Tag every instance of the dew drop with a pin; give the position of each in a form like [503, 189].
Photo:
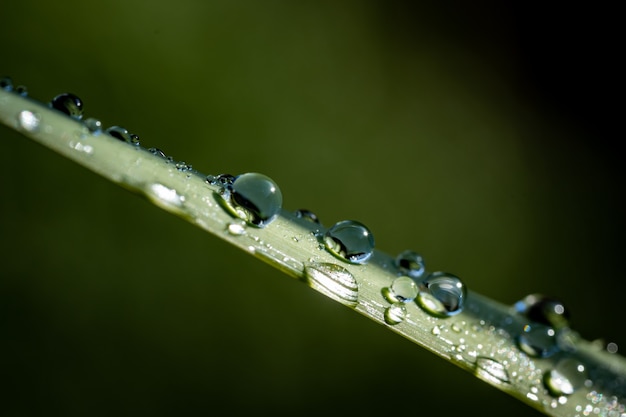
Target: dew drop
[541, 309]
[21, 90]
[411, 264]
[395, 314]
[491, 370]
[403, 289]
[69, 104]
[6, 83]
[157, 152]
[350, 241]
[307, 215]
[123, 135]
[442, 294]
[94, 125]
[165, 197]
[538, 340]
[567, 376]
[334, 281]
[252, 197]
[28, 120]
[183, 167]
[236, 228]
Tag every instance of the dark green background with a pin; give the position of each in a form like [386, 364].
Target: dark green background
[483, 136]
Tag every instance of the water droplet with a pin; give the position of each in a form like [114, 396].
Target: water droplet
[252, 197]
[21, 90]
[404, 289]
[567, 376]
[69, 104]
[157, 152]
[236, 228]
[538, 340]
[123, 135]
[164, 196]
[183, 167]
[306, 215]
[442, 294]
[611, 347]
[542, 309]
[436, 330]
[28, 120]
[350, 241]
[6, 83]
[491, 370]
[334, 281]
[395, 313]
[411, 264]
[94, 125]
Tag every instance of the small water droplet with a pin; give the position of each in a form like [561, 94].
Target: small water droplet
[69, 104]
[442, 294]
[94, 125]
[436, 330]
[21, 90]
[542, 309]
[157, 152]
[252, 197]
[538, 340]
[164, 196]
[28, 120]
[123, 135]
[6, 83]
[395, 313]
[306, 215]
[403, 289]
[567, 376]
[334, 281]
[491, 370]
[236, 228]
[183, 167]
[411, 263]
[350, 241]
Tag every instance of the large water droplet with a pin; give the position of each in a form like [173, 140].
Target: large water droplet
[538, 340]
[491, 370]
[395, 313]
[6, 83]
[28, 120]
[123, 135]
[411, 263]
[69, 104]
[94, 125]
[350, 241]
[334, 281]
[403, 289]
[252, 197]
[442, 294]
[567, 376]
[542, 309]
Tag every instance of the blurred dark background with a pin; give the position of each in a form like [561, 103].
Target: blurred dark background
[485, 136]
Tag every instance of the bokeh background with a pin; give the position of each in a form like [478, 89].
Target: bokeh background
[483, 135]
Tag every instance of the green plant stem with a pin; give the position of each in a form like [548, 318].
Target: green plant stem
[481, 339]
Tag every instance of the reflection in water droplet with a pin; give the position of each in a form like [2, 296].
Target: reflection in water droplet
[69, 104]
[491, 370]
[21, 90]
[94, 125]
[6, 83]
[252, 197]
[123, 135]
[395, 313]
[542, 309]
[442, 294]
[306, 215]
[567, 376]
[411, 264]
[404, 289]
[334, 281]
[28, 120]
[538, 340]
[350, 241]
